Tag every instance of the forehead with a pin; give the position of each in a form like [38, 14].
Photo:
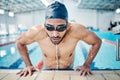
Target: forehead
[55, 21]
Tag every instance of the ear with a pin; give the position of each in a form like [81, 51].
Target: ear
[68, 25]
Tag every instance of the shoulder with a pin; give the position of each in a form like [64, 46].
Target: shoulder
[76, 26]
[34, 33]
[77, 30]
[34, 30]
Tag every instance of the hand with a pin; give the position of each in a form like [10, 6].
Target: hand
[27, 71]
[84, 70]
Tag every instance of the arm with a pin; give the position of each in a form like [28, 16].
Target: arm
[95, 43]
[25, 39]
[90, 38]
[23, 51]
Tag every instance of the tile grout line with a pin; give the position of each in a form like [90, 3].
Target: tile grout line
[19, 78]
[53, 76]
[117, 73]
[36, 76]
[4, 76]
[103, 76]
[69, 76]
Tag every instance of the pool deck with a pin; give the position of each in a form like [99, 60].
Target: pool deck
[61, 75]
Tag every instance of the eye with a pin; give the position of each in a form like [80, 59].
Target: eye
[49, 27]
[61, 28]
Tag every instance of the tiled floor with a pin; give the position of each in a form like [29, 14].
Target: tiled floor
[61, 75]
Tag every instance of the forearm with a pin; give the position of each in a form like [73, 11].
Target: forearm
[24, 54]
[92, 53]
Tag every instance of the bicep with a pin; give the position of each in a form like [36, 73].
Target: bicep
[90, 37]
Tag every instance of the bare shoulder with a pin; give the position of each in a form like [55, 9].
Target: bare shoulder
[78, 30]
[33, 34]
[34, 31]
[82, 33]
[77, 27]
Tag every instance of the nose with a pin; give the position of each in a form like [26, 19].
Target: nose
[55, 33]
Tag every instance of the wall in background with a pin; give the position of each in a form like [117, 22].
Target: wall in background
[6, 22]
[103, 19]
[98, 19]
[117, 17]
[30, 19]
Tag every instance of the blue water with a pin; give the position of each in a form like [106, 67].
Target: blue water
[105, 59]
[10, 58]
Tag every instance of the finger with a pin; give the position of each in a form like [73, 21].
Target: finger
[36, 69]
[81, 72]
[25, 73]
[88, 73]
[84, 73]
[30, 72]
[19, 72]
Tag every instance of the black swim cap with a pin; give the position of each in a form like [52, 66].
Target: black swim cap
[56, 10]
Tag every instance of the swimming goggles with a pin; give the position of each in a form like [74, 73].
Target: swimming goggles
[59, 28]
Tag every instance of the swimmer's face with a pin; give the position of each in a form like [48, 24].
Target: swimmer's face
[56, 29]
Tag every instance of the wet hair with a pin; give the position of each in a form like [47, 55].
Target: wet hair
[56, 10]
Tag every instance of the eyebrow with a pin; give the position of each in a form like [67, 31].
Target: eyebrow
[49, 24]
[58, 25]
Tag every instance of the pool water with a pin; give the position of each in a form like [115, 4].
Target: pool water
[105, 59]
[10, 58]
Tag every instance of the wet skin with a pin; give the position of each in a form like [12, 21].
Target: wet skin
[66, 41]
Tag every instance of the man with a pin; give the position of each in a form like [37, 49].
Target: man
[57, 39]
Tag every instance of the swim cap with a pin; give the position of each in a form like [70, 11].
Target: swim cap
[56, 10]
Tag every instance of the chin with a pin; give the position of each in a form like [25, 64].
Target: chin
[55, 43]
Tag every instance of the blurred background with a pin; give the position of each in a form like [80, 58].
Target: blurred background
[100, 16]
